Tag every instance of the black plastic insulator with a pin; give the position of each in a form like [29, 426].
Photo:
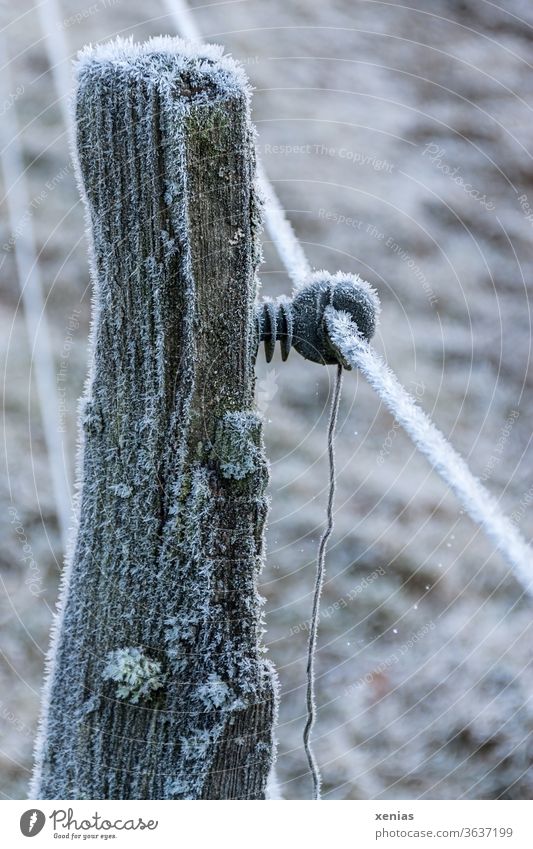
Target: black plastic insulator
[299, 322]
[275, 323]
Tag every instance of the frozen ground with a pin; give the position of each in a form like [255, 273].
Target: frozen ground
[399, 140]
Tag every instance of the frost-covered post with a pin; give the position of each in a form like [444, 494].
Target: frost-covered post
[157, 684]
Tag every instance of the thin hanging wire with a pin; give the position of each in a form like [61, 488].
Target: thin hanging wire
[319, 583]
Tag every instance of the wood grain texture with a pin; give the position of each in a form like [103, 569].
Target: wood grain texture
[157, 684]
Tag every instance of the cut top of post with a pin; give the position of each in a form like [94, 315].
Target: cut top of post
[201, 71]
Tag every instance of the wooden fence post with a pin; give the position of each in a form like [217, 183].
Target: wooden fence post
[157, 684]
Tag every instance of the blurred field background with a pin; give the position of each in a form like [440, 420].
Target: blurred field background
[399, 139]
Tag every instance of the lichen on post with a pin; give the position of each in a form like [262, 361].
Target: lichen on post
[157, 686]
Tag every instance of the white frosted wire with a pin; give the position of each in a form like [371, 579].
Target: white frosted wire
[184, 20]
[280, 231]
[480, 505]
[56, 49]
[30, 282]
[278, 226]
